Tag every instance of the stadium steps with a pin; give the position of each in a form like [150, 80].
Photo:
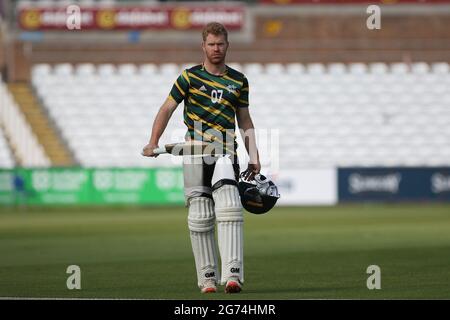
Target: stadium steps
[47, 136]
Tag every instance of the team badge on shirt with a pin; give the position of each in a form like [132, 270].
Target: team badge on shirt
[231, 88]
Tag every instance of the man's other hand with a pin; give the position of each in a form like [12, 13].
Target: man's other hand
[252, 170]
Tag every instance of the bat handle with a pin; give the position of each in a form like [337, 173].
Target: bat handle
[160, 150]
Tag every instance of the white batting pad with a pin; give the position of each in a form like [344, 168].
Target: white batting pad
[230, 221]
[201, 222]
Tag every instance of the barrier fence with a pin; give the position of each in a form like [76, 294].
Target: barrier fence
[91, 186]
[394, 184]
[164, 186]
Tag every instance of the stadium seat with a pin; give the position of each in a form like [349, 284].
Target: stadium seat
[127, 69]
[337, 68]
[316, 68]
[378, 68]
[42, 69]
[252, 69]
[358, 68]
[420, 68]
[274, 69]
[106, 70]
[148, 69]
[85, 69]
[295, 69]
[170, 69]
[64, 69]
[399, 68]
[440, 68]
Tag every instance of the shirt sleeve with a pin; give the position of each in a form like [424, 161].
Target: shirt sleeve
[243, 97]
[180, 88]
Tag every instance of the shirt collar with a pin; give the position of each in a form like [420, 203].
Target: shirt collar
[217, 75]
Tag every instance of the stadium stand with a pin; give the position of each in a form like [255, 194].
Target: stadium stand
[39, 123]
[27, 150]
[326, 115]
[104, 113]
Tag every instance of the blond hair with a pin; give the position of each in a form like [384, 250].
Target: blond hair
[216, 29]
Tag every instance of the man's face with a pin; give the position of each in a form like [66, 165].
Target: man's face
[215, 48]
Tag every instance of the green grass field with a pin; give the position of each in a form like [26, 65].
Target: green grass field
[290, 253]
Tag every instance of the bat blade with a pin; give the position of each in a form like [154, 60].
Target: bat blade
[187, 148]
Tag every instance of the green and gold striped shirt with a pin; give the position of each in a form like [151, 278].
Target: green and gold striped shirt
[210, 103]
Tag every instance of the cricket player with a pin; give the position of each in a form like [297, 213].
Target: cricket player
[214, 96]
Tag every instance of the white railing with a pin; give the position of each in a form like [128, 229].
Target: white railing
[19, 132]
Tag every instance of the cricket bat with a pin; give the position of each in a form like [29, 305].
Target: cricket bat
[186, 148]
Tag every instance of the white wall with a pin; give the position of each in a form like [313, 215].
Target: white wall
[307, 186]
